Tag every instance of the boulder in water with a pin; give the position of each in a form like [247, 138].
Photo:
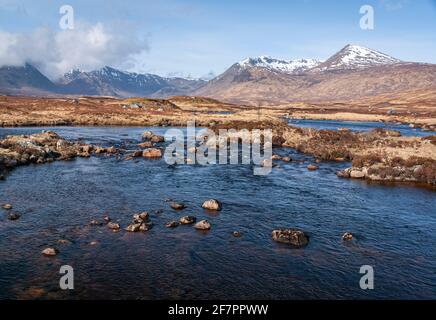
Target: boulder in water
[212, 204]
[202, 225]
[347, 236]
[188, 220]
[152, 153]
[49, 252]
[177, 206]
[293, 237]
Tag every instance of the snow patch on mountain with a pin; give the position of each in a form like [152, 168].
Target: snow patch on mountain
[286, 66]
[356, 57]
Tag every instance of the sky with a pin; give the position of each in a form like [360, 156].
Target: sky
[196, 38]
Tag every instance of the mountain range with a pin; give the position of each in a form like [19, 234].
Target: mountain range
[353, 72]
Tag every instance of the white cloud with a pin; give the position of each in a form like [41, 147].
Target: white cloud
[87, 47]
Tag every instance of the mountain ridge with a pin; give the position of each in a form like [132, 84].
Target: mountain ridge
[352, 72]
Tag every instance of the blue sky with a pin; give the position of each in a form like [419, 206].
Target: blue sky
[195, 37]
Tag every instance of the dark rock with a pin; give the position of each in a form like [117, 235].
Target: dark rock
[347, 236]
[294, 237]
[95, 223]
[236, 234]
[177, 206]
[172, 224]
[13, 216]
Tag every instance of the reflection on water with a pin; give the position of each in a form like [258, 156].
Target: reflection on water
[394, 228]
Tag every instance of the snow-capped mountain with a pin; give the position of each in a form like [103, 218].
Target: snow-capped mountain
[353, 72]
[113, 82]
[353, 57]
[286, 66]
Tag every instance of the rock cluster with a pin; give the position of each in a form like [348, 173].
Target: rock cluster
[140, 222]
[47, 146]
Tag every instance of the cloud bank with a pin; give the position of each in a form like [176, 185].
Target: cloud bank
[87, 47]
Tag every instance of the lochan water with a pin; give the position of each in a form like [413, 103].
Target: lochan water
[405, 130]
[394, 228]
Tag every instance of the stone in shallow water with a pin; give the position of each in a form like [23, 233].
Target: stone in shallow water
[134, 227]
[236, 234]
[95, 223]
[212, 204]
[7, 206]
[13, 216]
[172, 224]
[188, 220]
[294, 237]
[145, 226]
[347, 236]
[113, 226]
[177, 206]
[152, 153]
[49, 252]
[312, 167]
[202, 225]
[141, 217]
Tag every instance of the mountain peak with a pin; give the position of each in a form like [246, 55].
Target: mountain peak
[286, 66]
[353, 56]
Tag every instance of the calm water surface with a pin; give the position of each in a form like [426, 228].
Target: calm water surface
[394, 228]
[360, 126]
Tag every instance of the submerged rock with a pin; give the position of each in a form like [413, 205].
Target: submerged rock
[49, 252]
[106, 218]
[312, 167]
[134, 227]
[145, 226]
[172, 224]
[347, 236]
[236, 234]
[212, 204]
[188, 220]
[294, 237]
[7, 206]
[147, 135]
[13, 216]
[343, 173]
[95, 223]
[141, 217]
[202, 225]
[177, 206]
[113, 226]
[152, 153]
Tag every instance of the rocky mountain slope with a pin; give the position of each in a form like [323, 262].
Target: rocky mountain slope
[107, 81]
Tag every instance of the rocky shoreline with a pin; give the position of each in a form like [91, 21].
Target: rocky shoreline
[377, 155]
